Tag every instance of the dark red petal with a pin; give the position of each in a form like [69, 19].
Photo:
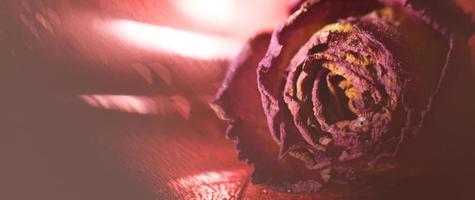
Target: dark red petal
[288, 38]
[285, 42]
[238, 102]
[238, 99]
[443, 15]
[294, 5]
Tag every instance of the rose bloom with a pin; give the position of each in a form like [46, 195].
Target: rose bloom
[353, 93]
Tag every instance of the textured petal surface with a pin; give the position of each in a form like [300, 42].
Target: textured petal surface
[421, 72]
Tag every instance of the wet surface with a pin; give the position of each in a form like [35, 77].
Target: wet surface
[86, 115]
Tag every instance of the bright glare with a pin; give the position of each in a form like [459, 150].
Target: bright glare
[175, 41]
[239, 18]
[161, 105]
[125, 103]
[210, 185]
[219, 12]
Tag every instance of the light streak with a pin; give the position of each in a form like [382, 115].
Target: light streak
[140, 104]
[166, 39]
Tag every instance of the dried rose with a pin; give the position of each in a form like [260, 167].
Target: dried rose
[343, 87]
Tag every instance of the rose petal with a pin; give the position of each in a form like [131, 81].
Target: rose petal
[238, 102]
[443, 15]
[425, 68]
[285, 42]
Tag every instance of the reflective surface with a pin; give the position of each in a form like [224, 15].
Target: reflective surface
[108, 99]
